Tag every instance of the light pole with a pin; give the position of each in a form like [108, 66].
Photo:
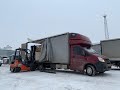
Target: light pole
[106, 27]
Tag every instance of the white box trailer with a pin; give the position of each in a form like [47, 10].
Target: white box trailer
[111, 49]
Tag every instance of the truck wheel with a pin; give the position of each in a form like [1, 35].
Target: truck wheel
[118, 64]
[53, 66]
[41, 68]
[90, 70]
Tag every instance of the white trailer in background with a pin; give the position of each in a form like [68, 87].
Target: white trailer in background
[111, 49]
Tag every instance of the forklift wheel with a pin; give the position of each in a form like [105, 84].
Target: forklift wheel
[17, 69]
[32, 68]
[12, 69]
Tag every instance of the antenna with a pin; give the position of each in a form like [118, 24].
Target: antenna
[106, 27]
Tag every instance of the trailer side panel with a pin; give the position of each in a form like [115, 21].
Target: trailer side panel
[111, 48]
[56, 49]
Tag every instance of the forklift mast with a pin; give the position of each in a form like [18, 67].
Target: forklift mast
[32, 55]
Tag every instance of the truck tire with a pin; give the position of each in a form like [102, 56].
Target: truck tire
[53, 67]
[90, 70]
[118, 64]
[41, 68]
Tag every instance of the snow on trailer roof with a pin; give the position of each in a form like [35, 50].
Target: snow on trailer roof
[110, 40]
[71, 35]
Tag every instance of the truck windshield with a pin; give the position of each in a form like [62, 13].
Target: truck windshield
[91, 50]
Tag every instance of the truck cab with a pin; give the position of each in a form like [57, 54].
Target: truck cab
[84, 58]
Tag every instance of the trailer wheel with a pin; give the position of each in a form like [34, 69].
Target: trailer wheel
[118, 64]
[41, 68]
[90, 70]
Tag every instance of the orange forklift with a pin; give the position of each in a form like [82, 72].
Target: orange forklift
[24, 60]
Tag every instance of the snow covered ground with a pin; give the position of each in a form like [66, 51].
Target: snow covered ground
[60, 81]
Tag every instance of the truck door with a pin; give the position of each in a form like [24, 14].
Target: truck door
[77, 58]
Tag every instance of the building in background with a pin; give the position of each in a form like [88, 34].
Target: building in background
[7, 47]
[5, 53]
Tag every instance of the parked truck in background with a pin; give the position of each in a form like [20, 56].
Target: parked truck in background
[111, 49]
[70, 50]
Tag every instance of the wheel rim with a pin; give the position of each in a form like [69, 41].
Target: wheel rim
[89, 71]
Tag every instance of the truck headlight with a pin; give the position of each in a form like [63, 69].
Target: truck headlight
[100, 59]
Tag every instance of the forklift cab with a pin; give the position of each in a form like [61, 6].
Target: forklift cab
[22, 55]
[23, 61]
[25, 55]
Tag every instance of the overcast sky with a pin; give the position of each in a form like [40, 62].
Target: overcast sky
[35, 19]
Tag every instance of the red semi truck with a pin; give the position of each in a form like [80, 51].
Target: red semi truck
[70, 50]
